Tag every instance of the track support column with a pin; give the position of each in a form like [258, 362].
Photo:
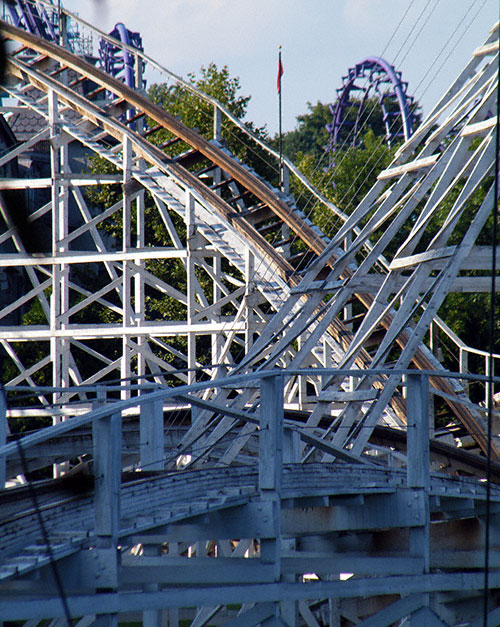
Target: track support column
[59, 346]
[55, 299]
[106, 434]
[249, 299]
[191, 285]
[151, 435]
[127, 312]
[271, 466]
[4, 430]
[139, 291]
[418, 469]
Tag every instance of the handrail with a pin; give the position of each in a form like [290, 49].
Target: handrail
[155, 155]
[117, 406]
[210, 100]
[464, 350]
[219, 106]
[253, 183]
[459, 343]
[233, 119]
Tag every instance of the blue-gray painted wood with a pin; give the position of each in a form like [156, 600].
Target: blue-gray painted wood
[418, 468]
[3, 436]
[107, 471]
[81, 605]
[151, 435]
[417, 434]
[271, 433]
[395, 611]
[271, 464]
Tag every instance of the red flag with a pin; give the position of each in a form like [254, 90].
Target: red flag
[280, 73]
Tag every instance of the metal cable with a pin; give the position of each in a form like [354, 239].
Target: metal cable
[493, 299]
[422, 93]
[41, 523]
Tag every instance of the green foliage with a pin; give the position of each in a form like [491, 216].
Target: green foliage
[196, 113]
[356, 169]
[102, 196]
[362, 117]
[310, 137]
[467, 315]
[30, 353]
[199, 115]
[353, 167]
[354, 173]
[472, 206]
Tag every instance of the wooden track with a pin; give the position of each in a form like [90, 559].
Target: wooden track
[422, 358]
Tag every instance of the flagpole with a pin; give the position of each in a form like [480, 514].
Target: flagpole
[280, 72]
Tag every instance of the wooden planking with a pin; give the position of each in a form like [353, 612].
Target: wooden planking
[254, 185]
[478, 127]
[175, 126]
[486, 50]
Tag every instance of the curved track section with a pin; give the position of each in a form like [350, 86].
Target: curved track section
[227, 272]
[116, 60]
[372, 77]
[274, 536]
[218, 295]
[33, 17]
[169, 182]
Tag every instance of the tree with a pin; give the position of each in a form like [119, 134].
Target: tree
[193, 111]
[199, 114]
[310, 137]
[345, 184]
[361, 116]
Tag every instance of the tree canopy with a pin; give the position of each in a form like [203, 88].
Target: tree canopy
[347, 176]
[310, 137]
[199, 114]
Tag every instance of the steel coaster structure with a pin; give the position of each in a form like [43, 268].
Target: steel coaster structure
[47, 20]
[372, 77]
[117, 61]
[281, 472]
[34, 17]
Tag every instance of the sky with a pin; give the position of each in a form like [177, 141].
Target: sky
[429, 41]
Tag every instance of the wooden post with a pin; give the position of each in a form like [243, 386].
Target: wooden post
[4, 429]
[191, 285]
[270, 464]
[418, 455]
[151, 435]
[127, 317]
[106, 434]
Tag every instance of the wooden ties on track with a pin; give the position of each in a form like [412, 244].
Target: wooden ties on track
[242, 198]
